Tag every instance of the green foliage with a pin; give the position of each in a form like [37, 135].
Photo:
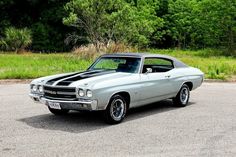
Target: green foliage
[44, 18]
[4, 17]
[200, 24]
[181, 16]
[41, 38]
[16, 39]
[113, 20]
[186, 24]
[219, 24]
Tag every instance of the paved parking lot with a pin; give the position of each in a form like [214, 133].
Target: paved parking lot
[207, 127]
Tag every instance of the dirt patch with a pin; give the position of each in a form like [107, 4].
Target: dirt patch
[15, 81]
[230, 80]
[233, 78]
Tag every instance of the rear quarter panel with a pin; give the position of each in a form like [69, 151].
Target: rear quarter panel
[188, 74]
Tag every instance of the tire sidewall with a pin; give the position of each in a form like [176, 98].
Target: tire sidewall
[184, 86]
[177, 99]
[108, 115]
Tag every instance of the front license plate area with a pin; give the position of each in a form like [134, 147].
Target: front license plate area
[54, 105]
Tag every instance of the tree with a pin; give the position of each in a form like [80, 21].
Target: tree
[181, 21]
[218, 23]
[105, 21]
[4, 17]
[44, 17]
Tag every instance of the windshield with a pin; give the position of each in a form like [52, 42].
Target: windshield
[119, 64]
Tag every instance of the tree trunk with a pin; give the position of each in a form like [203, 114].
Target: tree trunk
[179, 46]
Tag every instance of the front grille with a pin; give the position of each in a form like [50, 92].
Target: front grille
[60, 93]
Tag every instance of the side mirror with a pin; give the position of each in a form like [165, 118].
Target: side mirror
[149, 70]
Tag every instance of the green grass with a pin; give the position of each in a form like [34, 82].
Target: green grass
[27, 66]
[12, 66]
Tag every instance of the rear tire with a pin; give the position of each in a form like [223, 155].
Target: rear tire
[58, 112]
[116, 110]
[182, 98]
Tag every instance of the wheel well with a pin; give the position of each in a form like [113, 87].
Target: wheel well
[126, 96]
[190, 85]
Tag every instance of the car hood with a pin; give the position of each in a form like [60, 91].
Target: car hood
[81, 79]
[43, 80]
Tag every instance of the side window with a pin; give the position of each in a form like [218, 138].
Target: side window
[156, 65]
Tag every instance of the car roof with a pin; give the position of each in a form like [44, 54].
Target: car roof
[175, 61]
[130, 55]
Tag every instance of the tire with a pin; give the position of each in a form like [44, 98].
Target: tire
[58, 112]
[182, 98]
[116, 110]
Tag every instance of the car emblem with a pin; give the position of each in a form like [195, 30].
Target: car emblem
[50, 92]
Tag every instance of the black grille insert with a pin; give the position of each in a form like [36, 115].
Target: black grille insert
[60, 93]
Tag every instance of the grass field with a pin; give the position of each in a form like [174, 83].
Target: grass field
[35, 65]
[25, 66]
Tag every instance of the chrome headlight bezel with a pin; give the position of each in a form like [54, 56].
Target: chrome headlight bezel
[40, 89]
[89, 93]
[81, 92]
[34, 88]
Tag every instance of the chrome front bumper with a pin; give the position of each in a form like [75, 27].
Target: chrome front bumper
[82, 104]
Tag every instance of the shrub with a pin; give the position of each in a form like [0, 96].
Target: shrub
[16, 39]
[90, 52]
[120, 47]
[87, 52]
[3, 44]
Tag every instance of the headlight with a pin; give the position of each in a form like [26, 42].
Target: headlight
[41, 89]
[81, 92]
[34, 88]
[89, 93]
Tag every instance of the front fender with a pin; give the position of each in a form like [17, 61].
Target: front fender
[104, 95]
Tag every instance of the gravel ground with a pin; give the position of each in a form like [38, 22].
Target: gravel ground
[207, 127]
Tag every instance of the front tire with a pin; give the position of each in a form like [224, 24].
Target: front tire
[116, 110]
[182, 98]
[58, 112]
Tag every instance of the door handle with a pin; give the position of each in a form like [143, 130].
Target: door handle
[167, 76]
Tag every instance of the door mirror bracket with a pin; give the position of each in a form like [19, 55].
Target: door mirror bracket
[148, 70]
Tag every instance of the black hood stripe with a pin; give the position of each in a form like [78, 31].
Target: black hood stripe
[50, 82]
[84, 75]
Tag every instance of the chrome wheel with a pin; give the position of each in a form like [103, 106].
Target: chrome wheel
[117, 109]
[184, 94]
[182, 98]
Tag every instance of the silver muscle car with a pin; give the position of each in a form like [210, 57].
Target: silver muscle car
[115, 83]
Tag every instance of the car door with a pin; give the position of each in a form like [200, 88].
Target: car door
[156, 84]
